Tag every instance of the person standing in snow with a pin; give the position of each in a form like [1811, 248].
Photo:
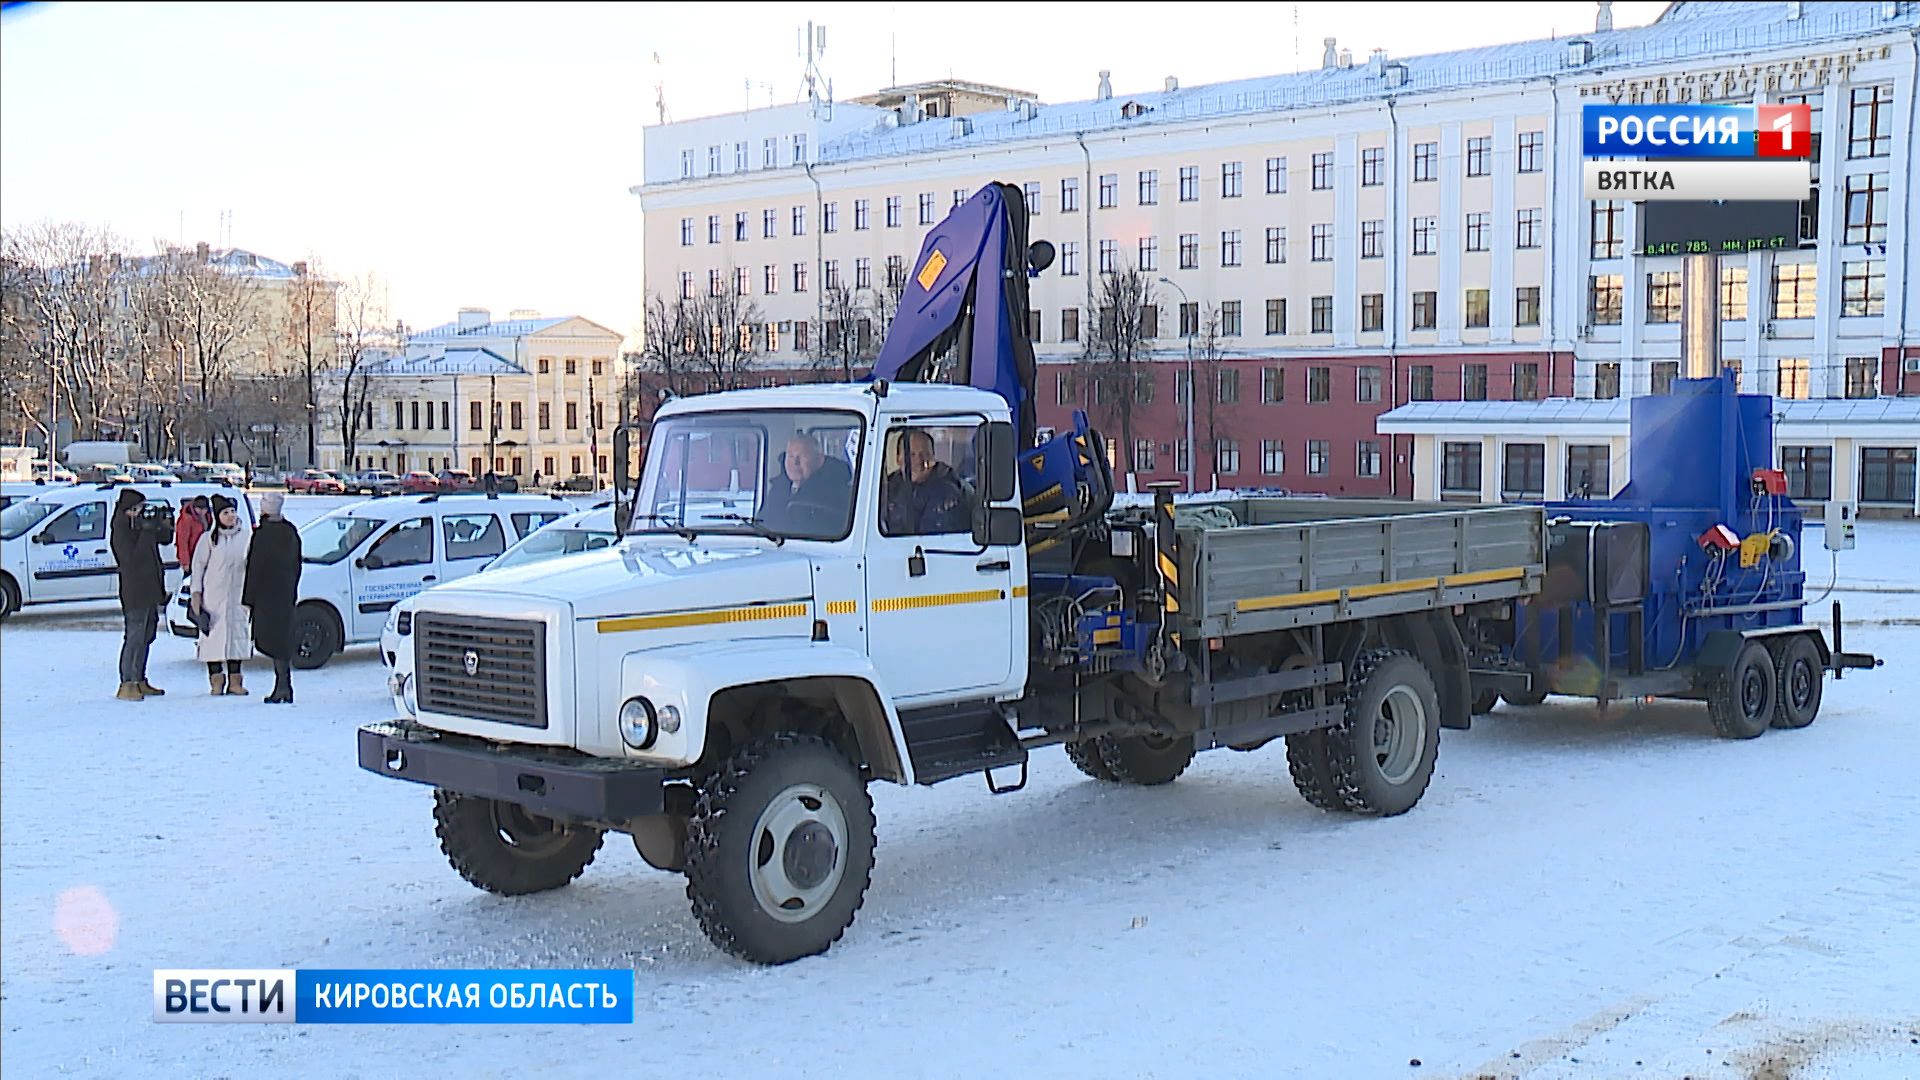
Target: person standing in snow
[272, 587]
[219, 579]
[191, 526]
[143, 592]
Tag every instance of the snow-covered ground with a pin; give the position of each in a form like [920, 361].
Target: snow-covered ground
[1577, 896]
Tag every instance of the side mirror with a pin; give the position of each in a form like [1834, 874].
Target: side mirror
[994, 450]
[370, 562]
[998, 526]
[623, 478]
[43, 537]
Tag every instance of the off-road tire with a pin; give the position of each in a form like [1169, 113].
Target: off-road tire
[471, 834]
[1145, 760]
[315, 636]
[1741, 699]
[723, 850]
[1802, 679]
[1484, 702]
[1312, 776]
[1085, 755]
[1381, 679]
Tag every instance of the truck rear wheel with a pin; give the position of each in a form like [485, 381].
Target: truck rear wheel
[1382, 753]
[780, 849]
[1085, 755]
[1801, 683]
[1484, 702]
[1741, 699]
[505, 849]
[1146, 760]
[1312, 776]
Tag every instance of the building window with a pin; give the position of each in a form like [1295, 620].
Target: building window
[1226, 456]
[802, 331]
[1863, 377]
[1033, 324]
[893, 211]
[573, 366]
[1733, 293]
[1663, 296]
[1319, 385]
[686, 232]
[1323, 171]
[1608, 242]
[1366, 384]
[1604, 299]
[1273, 385]
[473, 416]
[1070, 195]
[830, 218]
[598, 368]
[1526, 381]
[1143, 455]
[1070, 258]
[686, 172]
[1319, 459]
[926, 208]
[545, 413]
[1150, 253]
[1479, 304]
[1606, 380]
[1149, 187]
[863, 273]
[716, 282]
[686, 293]
[1373, 311]
[1479, 229]
[1426, 161]
[1420, 383]
[799, 149]
[1367, 459]
[1426, 231]
[1793, 290]
[1189, 183]
[1070, 324]
[1276, 176]
[1663, 375]
[1109, 255]
[740, 227]
[1809, 472]
[1276, 244]
[1180, 455]
[1149, 328]
[1473, 382]
[1373, 239]
[1526, 228]
[516, 415]
[739, 157]
[1032, 192]
[1373, 161]
[713, 160]
[1321, 312]
[1532, 146]
[1460, 467]
[1480, 155]
[1867, 208]
[770, 279]
[769, 224]
[799, 277]
[1109, 190]
[959, 197]
[1863, 287]
[1276, 316]
[1886, 474]
[1322, 243]
[1426, 310]
[1273, 457]
[1182, 385]
[862, 214]
[713, 228]
[742, 281]
[1230, 319]
[1526, 305]
[1589, 472]
[1230, 180]
[1230, 247]
[1524, 474]
[1792, 378]
[830, 271]
[896, 272]
[1870, 130]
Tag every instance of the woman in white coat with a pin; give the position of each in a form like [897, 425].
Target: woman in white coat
[219, 577]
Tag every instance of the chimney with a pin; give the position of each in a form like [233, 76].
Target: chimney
[1579, 51]
[962, 127]
[1794, 10]
[201, 251]
[910, 110]
[1396, 74]
[474, 318]
[1331, 58]
[1603, 22]
[1346, 59]
[1106, 87]
[1172, 84]
[1377, 63]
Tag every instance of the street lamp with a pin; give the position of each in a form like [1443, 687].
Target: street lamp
[1188, 334]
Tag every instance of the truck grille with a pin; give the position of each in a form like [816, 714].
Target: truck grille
[508, 659]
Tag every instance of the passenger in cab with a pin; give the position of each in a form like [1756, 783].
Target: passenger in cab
[813, 492]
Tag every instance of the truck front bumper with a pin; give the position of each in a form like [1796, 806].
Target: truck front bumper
[555, 784]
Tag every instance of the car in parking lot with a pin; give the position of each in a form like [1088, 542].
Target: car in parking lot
[455, 480]
[375, 482]
[418, 482]
[149, 473]
[315, 482]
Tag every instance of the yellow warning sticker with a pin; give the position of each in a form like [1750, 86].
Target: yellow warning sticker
[930, 273]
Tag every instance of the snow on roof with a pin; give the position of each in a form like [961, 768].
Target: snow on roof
[460, 361]
[508, 328]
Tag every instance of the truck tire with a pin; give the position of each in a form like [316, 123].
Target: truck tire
[1741, 699]
[780, 849]
[1525, 699]
[1484, 702]
[1145, 760]
[1382, 752]
[316, 636]
[1085, 755]
[1802, 677]
[1312, 776]
[507, 850]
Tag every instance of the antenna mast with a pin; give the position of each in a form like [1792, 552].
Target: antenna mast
[659, 90]
[813, 45]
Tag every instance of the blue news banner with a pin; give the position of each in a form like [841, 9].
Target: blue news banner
[290, 996]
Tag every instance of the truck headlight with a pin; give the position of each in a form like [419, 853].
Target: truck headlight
[401, 686]
[637, 723]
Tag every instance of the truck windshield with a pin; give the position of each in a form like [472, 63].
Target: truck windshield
[327, 540]
[773, 472]
[21, 516]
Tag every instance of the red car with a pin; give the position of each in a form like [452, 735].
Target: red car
[314, 482]
[456, 480]
[419, 483]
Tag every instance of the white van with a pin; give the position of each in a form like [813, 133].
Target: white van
[54, 545]
[362, 559]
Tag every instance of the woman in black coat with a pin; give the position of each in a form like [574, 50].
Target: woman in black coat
[272, 588]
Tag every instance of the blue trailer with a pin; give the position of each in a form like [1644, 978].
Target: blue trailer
[1686, 584]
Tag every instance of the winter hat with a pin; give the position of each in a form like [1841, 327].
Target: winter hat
[221, 502]
[271, 503]
[129, 499]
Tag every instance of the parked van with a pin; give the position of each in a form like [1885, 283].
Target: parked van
[362, 559]
[54, 546]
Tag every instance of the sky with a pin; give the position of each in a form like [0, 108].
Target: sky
[481, 154]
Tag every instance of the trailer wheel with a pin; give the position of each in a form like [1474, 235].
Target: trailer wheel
[1484, 702]
[1382, 752]
[1085, 755]
[1741, 700]
[780, 849]
[1312, 776]
[1801, 682]
[504, 849]
[1525, 699]
[1145, 760]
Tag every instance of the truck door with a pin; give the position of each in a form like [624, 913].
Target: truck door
[397, 565]
[68, 558]
[939, 606]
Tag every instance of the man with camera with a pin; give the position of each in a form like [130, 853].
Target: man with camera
[138, 531]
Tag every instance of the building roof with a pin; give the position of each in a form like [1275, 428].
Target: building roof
[457, 361]
[1685, 31]
[1466, 416]
[509, 328]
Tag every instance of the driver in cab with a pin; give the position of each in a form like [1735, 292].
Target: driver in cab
[814, 492]
[926, 496]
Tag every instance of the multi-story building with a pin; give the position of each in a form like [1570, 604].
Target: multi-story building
[1347, 240]
[524, 397]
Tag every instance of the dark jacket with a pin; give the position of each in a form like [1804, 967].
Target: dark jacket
[136, 554]
[935, 505]
[272, 586]
[831, 486]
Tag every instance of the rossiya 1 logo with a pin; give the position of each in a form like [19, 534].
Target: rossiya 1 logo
[1697, 131]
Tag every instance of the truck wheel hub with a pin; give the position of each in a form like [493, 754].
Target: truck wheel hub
[797, 844]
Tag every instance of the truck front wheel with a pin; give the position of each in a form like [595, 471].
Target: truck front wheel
[504, 849]
[1085, 755]
[780, 849]
[1381, 754]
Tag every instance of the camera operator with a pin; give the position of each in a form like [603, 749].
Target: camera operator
[136, 538]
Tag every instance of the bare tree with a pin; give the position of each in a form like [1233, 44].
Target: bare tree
[309, 337]
[361, 324]
[210, 316]
[836, 333]
[670, 333]
[1211, 373]
[1115, 361]
[68, 336]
